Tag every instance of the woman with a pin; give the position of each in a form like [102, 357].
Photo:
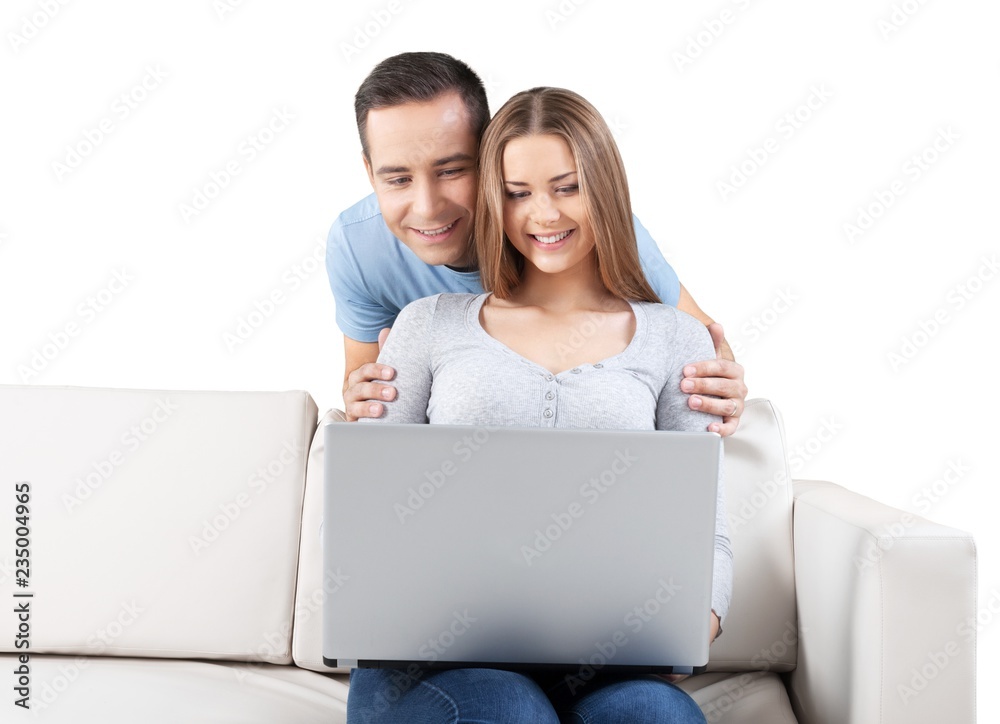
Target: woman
[569, 334]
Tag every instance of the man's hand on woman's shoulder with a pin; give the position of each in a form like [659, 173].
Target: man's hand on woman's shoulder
[362, 387]
[716, 386]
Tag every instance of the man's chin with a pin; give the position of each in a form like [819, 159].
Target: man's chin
[440, 256]
[451, 260]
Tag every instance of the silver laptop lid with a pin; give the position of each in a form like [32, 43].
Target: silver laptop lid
[519, 546]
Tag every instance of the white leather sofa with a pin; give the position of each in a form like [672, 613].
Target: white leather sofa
[175, 573]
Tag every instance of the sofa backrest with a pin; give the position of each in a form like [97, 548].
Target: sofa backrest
[761, 629]
[162, 523]
[313, 586]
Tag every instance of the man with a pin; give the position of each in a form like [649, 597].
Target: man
[420, 117]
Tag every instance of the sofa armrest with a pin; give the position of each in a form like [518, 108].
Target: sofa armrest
[886, 607]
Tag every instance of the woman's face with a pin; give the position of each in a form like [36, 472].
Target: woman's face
[543, 212]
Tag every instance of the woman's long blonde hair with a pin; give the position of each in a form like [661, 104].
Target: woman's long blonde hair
[603, 189]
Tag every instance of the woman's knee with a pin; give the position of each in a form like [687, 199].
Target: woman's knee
[495, 695]
[455, 695]
[389, 695]
[646, 701]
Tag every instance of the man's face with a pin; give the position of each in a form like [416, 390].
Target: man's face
[423, 170]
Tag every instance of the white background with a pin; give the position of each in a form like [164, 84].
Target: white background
[217, 74]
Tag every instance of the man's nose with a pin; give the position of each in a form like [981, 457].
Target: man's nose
[427, 201]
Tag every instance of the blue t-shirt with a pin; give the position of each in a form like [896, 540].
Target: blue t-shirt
[374, 275]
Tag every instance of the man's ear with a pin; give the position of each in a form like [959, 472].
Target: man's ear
[368, 168]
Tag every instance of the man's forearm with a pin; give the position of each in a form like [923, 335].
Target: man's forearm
[688, 305]
[726, 351]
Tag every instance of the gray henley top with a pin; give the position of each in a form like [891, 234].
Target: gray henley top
[450, 371]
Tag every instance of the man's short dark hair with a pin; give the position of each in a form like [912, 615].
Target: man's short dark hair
[420, 77]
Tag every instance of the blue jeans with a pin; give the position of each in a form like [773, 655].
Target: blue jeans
[494, 696]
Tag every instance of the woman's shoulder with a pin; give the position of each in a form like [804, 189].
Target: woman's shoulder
[665, 313]
[457, 299]
[669, 320]
[439, 306]
[444, 299]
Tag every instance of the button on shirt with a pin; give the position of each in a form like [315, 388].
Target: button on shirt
[452, 372]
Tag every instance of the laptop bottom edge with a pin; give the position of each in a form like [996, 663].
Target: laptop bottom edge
[583, 670]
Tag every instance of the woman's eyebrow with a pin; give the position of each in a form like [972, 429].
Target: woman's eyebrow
[560, 177]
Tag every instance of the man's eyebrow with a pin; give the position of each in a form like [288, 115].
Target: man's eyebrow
[383, 170]
[453, 158]
[552, 180]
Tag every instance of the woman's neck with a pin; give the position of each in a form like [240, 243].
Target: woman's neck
[576, 289]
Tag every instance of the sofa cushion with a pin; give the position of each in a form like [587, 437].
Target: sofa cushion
[747, 698]
[163, 523]
[88, 690]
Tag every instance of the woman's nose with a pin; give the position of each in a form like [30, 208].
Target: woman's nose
[544, 212]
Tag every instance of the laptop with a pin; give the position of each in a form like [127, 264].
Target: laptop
[527, 548]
